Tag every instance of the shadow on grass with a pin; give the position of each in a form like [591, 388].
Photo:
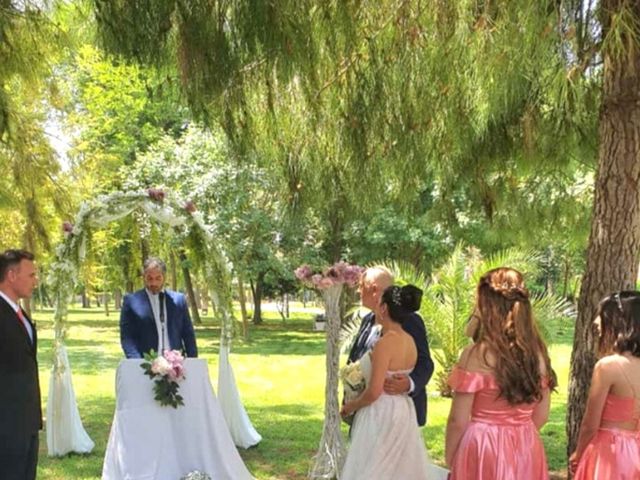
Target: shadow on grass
[268, 339]
[96, 413]
[288, 432]
[290, 436]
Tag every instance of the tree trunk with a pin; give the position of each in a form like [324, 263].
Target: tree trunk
[614, 241]
[204, 298]
[105, 300]
[256, 290]
[117, 297]
[86, 303]
[243, 308]
[286, 305]
[565, 280]
[174, 271]
[195, 313]
[144, 249]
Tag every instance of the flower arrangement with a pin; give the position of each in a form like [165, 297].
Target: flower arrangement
[340, 272]
[354, 384]
[196, 475]
[167, 370]
[353, 380]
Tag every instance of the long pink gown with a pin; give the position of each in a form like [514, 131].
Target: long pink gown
[501, 442]
[614, 452]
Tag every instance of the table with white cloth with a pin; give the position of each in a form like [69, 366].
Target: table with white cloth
[153, 442]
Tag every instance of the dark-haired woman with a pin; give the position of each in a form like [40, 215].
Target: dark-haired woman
[501, 388]
[385, 439]
[609, 439]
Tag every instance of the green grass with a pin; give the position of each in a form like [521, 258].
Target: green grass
[280, 375]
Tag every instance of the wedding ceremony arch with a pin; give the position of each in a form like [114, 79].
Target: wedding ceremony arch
[64, 429]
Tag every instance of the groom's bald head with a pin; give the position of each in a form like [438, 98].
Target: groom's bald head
[373, 282]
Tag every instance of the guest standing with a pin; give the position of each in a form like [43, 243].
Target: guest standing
[501, 388]
[20, 410]
[609, 439]
[155, 318]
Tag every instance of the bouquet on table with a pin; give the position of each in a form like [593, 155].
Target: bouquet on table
[354, 384]
[167, 370]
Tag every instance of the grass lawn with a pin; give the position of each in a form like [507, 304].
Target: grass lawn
[280, 375]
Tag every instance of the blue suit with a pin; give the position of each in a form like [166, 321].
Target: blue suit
[423, 370]
[138, 332]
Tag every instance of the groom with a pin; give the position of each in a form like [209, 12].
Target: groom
[155, 318]
[372, 284]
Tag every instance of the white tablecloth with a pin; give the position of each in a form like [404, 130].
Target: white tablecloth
[150, 442]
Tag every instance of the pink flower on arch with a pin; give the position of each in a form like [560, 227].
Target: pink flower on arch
[67, 227]
[190, 206]
[156, 194]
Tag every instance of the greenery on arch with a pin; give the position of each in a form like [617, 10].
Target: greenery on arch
[168, 209]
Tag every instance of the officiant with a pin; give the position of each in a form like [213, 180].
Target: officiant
[156, 318]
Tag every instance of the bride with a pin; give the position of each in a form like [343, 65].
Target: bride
[385, 440]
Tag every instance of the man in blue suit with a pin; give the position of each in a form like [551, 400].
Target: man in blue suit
[373, 283]
[154, 318]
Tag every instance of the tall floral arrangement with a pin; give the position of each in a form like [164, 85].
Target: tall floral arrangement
[330, 283]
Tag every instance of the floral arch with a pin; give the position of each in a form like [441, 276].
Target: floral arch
[65, 432]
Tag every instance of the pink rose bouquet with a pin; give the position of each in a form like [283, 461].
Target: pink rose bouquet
[167, 371]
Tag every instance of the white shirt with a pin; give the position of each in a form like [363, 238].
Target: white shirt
[163, 332]
[16, 308]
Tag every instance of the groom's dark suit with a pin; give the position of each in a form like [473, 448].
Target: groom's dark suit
[20, 410]
[423, 370]
[138, 332]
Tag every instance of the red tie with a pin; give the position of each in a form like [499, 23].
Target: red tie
[23, 321]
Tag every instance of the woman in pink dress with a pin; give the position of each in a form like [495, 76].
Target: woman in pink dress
[501, 388]
[609, 439]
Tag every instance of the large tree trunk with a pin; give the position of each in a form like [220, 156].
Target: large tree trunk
[614, 241]
[195, 313]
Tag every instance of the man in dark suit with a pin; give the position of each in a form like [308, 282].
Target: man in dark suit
[154, 318]
[20, 410]
[372, 284]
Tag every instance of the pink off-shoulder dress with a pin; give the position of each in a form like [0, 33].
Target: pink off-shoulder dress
[614, 453]
[501, 442]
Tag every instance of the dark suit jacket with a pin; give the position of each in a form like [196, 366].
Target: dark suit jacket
[20, 410]
[423, 370]
[138, 332]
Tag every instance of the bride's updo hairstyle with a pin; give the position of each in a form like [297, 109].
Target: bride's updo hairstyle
[401, 301]
[510, 334]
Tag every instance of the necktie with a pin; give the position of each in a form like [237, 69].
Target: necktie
[163, 344]
[23, 322]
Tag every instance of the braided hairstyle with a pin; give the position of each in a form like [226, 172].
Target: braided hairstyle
[620, 323]
[509, 332]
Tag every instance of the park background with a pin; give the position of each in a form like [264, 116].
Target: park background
[442, 136]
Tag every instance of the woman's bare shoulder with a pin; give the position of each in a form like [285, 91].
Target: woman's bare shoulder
[475, 358]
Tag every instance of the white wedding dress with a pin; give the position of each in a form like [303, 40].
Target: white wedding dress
[386, 443]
